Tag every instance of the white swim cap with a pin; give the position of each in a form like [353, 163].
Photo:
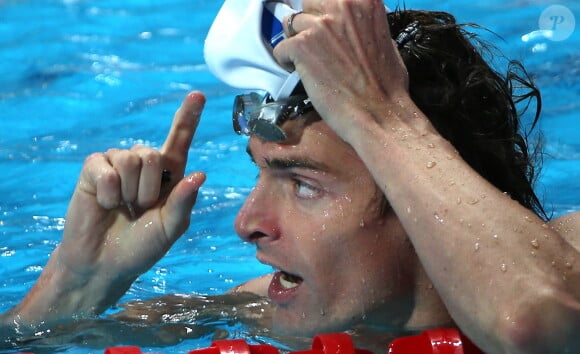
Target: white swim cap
[238, 47]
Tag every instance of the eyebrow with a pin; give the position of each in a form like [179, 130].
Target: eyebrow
[292, 162]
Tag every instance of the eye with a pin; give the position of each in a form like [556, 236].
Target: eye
[305, 190]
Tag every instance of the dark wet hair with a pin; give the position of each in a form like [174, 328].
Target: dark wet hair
[468, 102]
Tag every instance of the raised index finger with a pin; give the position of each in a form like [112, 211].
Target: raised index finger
[185, 122]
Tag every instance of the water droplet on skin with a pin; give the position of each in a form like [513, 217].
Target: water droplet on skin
[431, 164]
[569, 265]
[495, 236]
[431, 146]
[503, 267]
[322, 313]
[473, 201]
[545, 226]
[528, 219]
[535, 243]
[438, 218]
[323, 227]
[476, 246]
[362, 223]
[408, 210]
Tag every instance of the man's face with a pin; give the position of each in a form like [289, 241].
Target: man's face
[314, 215]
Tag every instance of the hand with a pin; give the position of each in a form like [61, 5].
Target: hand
[346, 59]
[121, 219]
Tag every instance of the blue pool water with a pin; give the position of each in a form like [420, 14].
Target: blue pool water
[82, 76]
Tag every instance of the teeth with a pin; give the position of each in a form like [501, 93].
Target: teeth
[289, 281]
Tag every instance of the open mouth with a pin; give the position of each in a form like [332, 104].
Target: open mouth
[284, 287]
[289, 281]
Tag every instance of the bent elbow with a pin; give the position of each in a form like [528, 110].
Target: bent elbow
[548, 324]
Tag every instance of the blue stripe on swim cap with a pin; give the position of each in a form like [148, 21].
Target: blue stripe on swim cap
[272, 29]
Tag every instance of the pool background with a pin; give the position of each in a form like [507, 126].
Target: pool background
[82, 76]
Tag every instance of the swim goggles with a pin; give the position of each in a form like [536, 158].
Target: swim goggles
[266, 118]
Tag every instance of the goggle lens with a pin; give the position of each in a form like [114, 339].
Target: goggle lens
[254, 114]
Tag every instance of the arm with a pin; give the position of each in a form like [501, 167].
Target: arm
[509, 280]
[120, 221]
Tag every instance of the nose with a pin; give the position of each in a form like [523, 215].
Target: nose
[257, 220]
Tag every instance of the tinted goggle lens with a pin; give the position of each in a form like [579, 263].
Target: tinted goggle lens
[254, 114]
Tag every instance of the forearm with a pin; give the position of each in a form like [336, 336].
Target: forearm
[61, 294]
[492, 260]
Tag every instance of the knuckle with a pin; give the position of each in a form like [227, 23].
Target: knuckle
[138, 147]
[151, 157]
[129, 160]
[147, 155]
[93, 158]
[108, 177]
[111, 152]
[107, 191]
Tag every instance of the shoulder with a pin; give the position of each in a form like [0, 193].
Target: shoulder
[258, 286]
[568, 226]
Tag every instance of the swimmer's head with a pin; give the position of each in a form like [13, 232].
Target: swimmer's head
[450, 80]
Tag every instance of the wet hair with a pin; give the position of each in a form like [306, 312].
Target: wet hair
[474, 107]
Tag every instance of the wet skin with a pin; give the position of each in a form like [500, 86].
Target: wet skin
[315, 216]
